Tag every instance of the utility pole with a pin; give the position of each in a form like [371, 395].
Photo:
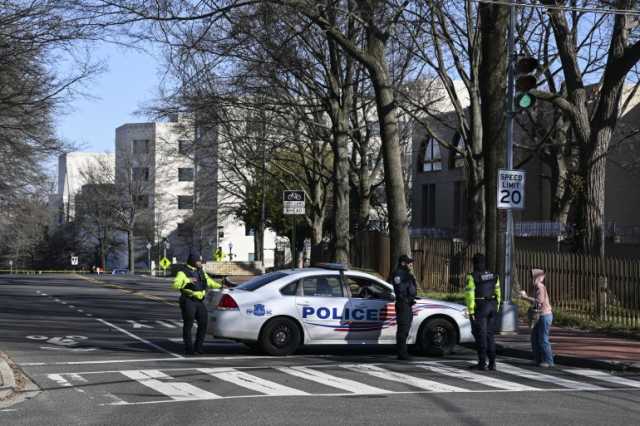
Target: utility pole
[509, 310]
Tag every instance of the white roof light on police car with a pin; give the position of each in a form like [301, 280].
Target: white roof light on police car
[227, 303]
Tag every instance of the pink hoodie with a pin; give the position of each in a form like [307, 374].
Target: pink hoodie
[540, 291]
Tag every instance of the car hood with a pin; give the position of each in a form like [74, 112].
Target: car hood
[451, 305]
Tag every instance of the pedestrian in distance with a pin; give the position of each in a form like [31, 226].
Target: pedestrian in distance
[218, 256]
[405, 289]
[482, 296]
[543, 318]
[193, 283]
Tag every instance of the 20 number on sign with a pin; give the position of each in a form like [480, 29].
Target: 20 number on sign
[511, 189]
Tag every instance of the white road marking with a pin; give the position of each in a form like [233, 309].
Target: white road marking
[605, 377]
[521, 372]
[72, 307]
[393, 376]
[61, 381]
[333, 395]
[44, 294]
[178, 323]
[77, 378]
[331, 381]
[57, 300]
[483, 379]
[251, 382]
[63, 302]
[153, 345]
[137, 324]
[177, 391]
[116, 400]
[81, 311]
[181, 359]
[165, 324]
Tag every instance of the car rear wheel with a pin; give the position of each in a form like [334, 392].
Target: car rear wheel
[280, 336]
[438, 336]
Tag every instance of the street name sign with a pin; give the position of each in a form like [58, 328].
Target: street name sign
[293, 202]
[511, 189]
[74, 260]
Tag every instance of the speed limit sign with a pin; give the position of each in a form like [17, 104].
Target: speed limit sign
[511, 189]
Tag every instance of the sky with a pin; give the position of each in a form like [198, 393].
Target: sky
[129, 81]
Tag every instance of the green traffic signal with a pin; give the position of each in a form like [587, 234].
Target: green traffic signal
[525, 100]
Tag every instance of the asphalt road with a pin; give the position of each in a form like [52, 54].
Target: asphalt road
[110, 353]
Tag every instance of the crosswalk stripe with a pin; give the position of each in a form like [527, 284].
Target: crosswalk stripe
[605, 377]
[393, 376]
[528, 374]
[165, 324]
[476, 378]
[174, 390]
[251, 382]
[331, 381]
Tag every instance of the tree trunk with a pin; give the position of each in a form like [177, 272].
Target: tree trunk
[475, 204]
[391, 153]
[131, 251]
[316, 239]
[493, 81]
[341, 187]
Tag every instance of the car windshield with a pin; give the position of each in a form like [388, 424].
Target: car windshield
[260, 281]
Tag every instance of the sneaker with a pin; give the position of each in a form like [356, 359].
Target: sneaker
[492, 366]
[545, 365]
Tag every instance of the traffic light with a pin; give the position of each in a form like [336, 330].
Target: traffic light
[526, 67]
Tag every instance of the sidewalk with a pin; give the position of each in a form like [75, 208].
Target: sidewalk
[577, 348]
[7, 379]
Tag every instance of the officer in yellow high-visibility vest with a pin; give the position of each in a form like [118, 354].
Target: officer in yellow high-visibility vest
[218, 256]
[482, 295]
[193, 282]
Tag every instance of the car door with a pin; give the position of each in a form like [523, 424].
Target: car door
[320, 302]
[371, 311]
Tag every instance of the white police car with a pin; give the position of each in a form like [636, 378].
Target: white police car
[280, 311]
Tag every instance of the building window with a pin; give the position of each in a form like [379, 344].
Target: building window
[141, 201]
[429, 205]
[140, 173]
[431, 158]
[456, 159]
[185, 202]
[184, 147]
[459, 204]
[141, 146]
[185, 175]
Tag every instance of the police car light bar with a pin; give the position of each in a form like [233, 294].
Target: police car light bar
[332, 266]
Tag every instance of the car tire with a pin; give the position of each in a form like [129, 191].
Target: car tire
[438, 337]
[280, 337]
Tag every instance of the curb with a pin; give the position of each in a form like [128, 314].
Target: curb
[573, 361]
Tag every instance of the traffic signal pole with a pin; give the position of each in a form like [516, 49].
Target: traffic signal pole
[509, 310]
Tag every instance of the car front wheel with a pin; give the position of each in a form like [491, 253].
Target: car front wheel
[438, 336]
[280, 336]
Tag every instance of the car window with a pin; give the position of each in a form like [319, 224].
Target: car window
[290, 289]
[322, 286]
[363, 288]
[262, 280]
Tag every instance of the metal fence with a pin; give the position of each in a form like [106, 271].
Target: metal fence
[583, 286]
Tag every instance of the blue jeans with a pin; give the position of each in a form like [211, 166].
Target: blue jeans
[540, 340]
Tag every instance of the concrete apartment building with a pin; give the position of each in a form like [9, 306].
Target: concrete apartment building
[73, 168]
[172, 170]
[439, 190]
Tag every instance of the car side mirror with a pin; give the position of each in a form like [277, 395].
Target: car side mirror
[391, 297]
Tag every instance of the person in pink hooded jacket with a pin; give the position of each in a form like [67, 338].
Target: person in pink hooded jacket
[542, 354]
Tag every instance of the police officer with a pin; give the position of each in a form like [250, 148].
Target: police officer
[404, 287]
[482, 295]
[193, 282]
